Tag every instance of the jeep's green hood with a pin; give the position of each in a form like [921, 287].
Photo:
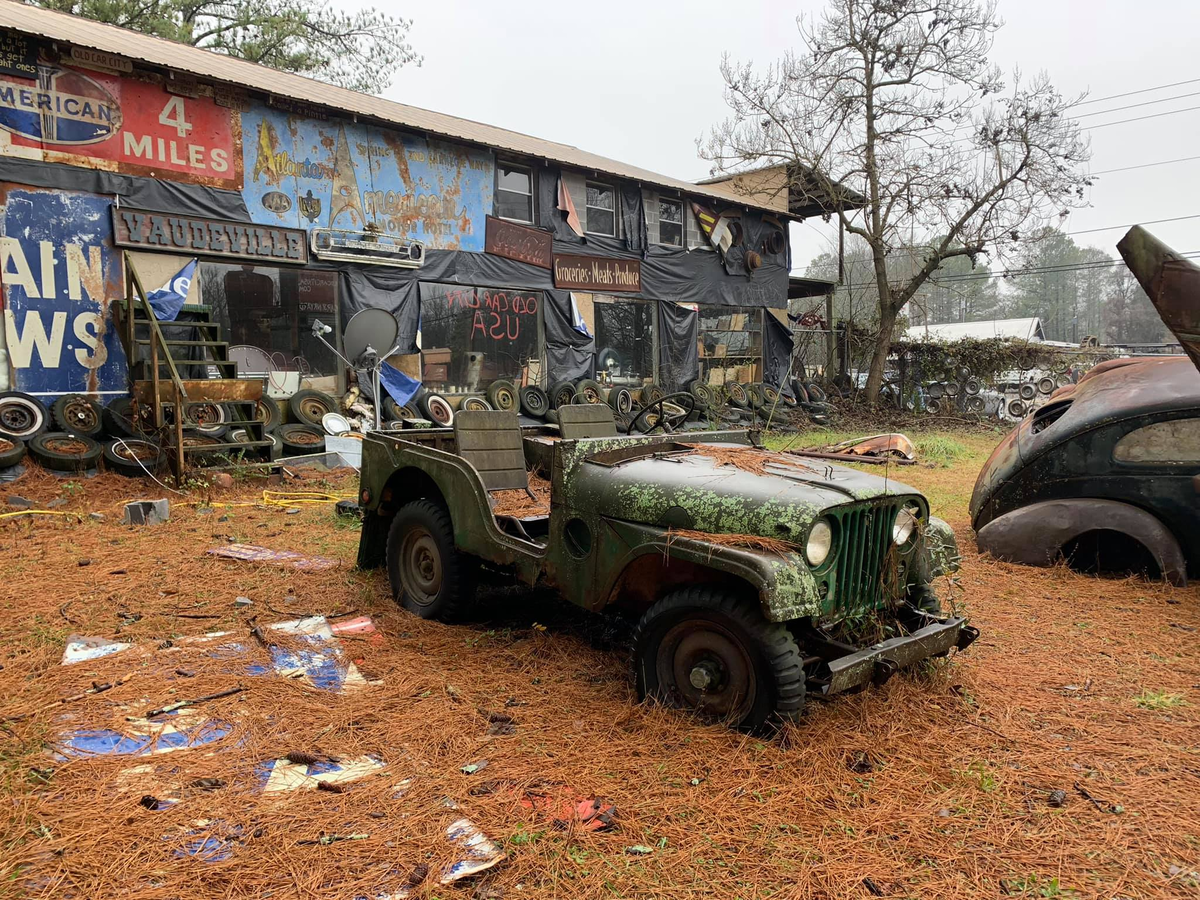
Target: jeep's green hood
[694, 491]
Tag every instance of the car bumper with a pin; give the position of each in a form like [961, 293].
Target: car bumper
[877, 663]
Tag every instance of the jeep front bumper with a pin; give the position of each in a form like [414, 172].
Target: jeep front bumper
[877, 663]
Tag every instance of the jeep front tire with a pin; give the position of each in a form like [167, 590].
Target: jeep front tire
[712, 652]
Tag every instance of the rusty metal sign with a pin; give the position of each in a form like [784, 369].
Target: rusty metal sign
[519, 242]
[597, 273]
[140, 229]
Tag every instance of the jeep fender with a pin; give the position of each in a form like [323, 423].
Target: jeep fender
[1034, 535]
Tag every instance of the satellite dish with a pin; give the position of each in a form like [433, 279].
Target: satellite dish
[334, 423]
[372, 327]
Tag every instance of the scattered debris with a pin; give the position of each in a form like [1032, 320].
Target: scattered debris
[349, 509]
[1101, 805]
[96, 517]
[146, 512]
[873, 887]
[1057, 798]
[56, 503]
[479, 852]
[18, 502]
[183, 704]
[286, 558]
[472, 768]
[83, 562]
[878, 445]
[639, 850]
[326, 839]
[565, 808]
[242, 602]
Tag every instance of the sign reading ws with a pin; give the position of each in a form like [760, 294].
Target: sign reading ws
[65, 115]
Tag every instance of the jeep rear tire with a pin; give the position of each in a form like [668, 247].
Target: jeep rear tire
[429, 577]
[714, 653]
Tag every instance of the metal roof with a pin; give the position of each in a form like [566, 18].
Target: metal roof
[1027, 329]
[217, 67]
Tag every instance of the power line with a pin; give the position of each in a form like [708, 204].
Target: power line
[1169, 112]
[1148, 90]
[1150, 222]
[1101, 112]
[1165, 162]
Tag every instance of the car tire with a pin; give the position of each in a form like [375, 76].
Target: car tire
[300, 440]
[561, 394]
[738, 395]
[502, 394]
[77, 414]
[590, 389]
[22, 416]
[307, 407]
[437, 409]
[552, 416]
[716, 634]
[429, 576]
[268, 411]
[64, 452]
[534, 402]
[207, 417]
[799, 392]
[12, 451]
[126, 456]
[651, 393]
[475, 404]
[815, 393]
[620, 400]
[119, 420]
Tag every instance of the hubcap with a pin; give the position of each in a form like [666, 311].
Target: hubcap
[421, 567]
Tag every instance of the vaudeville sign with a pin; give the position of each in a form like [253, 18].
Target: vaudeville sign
[140, 229]
[597, 273]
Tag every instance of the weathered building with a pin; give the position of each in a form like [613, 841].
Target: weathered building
[303, 201]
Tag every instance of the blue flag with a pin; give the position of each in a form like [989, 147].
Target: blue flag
[168, 300]
[399, 386]
[577, 318]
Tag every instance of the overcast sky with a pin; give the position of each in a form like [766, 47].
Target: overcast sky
[639, 82]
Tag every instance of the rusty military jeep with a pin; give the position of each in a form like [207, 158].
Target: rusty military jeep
[757, 577]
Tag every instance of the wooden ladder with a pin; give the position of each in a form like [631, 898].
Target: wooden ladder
[155, 364]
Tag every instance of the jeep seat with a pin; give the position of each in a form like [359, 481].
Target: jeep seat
[491, 441]
[586, 420]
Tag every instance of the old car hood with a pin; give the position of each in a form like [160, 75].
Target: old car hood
[693, 491]
[1170, 281]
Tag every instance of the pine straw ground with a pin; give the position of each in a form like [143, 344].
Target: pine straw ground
[936, 785]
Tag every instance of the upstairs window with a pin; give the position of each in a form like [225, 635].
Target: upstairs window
[514, 193]
[670, 222]
[601, 209]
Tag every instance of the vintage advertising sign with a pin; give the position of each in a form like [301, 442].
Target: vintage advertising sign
[597, 273]
[103, 120]
[519, 242]
[140, 229]
[60, 273]
[304, 173]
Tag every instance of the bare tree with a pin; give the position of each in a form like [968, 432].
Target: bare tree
[894, 108]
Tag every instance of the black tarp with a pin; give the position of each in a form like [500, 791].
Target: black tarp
[678, 358]
[550, 217]
[777, 350]
[633, 218]
[134, 190]
[570, 355]
[755, 234]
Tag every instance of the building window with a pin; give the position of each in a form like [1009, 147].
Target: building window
[514, 192]
[601, 209]
[670, 222]
[731, 347]
[624, 340]
[470, 336]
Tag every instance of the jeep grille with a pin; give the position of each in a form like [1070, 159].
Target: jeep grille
[864, 569]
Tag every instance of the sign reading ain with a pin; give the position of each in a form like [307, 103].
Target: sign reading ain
[64, 115]
[59, 272]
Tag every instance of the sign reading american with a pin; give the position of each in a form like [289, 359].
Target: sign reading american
[65, 115]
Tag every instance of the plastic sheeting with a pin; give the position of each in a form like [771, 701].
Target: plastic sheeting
[570, 355]
[777, 350]
[678, 357]
[134, 190]
[633, 218]
[551, 218]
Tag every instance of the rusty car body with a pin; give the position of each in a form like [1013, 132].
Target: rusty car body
[1106, 475]
[755, 585]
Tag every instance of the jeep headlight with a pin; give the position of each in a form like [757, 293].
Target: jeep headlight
[820, 542]
[905, 524]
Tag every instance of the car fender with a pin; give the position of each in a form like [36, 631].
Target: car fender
[941, 549]
[1035, 534]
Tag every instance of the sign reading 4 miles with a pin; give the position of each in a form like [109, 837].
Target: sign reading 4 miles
[68, 114]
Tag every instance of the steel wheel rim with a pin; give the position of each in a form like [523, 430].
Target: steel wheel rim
[262, 412]
[420, 567]
[505, 399]
[709, 670]
[314, 408]
[440, 411]
[19, 417]
[82, 415]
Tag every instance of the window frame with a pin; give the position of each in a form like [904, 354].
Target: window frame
[516, 167]
[616, 212]
[678, 201]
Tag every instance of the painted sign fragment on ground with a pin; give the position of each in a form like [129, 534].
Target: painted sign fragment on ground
[285, 558]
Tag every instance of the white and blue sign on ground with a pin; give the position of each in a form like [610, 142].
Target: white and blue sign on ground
[60, 272]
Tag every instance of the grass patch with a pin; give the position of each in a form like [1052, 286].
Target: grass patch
[1159, 700]
[939, 450]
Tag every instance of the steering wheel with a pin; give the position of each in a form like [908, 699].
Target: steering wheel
[667, 422]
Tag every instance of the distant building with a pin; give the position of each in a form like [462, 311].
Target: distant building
[1027, 329]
